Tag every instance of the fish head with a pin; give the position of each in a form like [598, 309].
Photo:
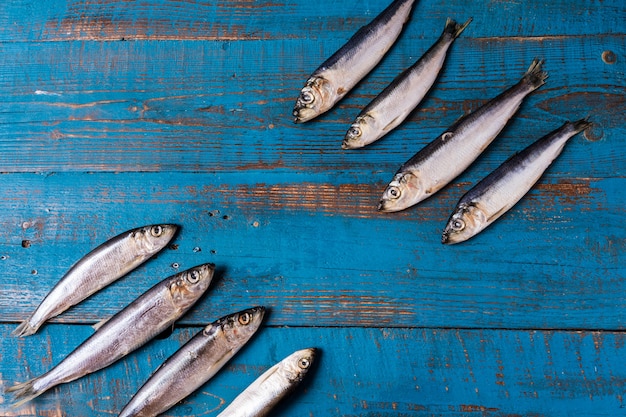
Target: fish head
[151, 239]
[361, 133]
[188, 286]
[315, 98]
[298, 364]
[239, 327]
[402, 192]
[466, 221]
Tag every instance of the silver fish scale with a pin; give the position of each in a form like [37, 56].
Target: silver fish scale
[442, 160]
[336, 76]
[391, 107]
[146, 317]
[99, 268]
[506, 185]
[274, 384]
[194, 363]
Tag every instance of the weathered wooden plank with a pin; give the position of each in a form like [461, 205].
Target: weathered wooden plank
[253, 20]
[138, 112]
[315, 247]
[189, 106]
[361, 372]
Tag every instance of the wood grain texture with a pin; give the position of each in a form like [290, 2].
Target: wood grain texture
[117, 114]
[317, 250]
[171, 98]
[361, 372]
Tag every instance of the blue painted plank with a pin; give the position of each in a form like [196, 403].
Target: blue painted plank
[361, 372]
[311, 21]
[116, 114]
[85, 99]
[160, 106]
[313, 246]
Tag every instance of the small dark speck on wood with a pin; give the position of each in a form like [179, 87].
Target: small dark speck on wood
[593, 133]
[609, 57]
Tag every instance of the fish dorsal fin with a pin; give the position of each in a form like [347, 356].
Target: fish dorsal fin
[99, 324]
[446, 135]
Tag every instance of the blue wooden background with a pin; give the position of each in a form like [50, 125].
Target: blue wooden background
[117, 114]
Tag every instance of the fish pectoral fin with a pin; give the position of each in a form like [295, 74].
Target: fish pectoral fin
[497, 214]
[269, 374]
[219, 362]
[390, 125]
[166, 333]
[99, 324]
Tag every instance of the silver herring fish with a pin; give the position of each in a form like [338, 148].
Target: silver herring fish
[194, 363]
[442, 160]
[266, 391]
[396, 102]
[345, 68]
[146, 317]
[108, 262]
[504, 187]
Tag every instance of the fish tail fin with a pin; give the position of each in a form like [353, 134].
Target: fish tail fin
[24, 329]
[454, 28]
[581, 125]
[24, 392]
[536, 76]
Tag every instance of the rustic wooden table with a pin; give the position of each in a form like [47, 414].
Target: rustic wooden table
[119, 114]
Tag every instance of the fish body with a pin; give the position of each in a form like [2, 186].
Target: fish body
[266, 391]
[504, 187]
[442, 160]
[392, 106]
[194, 363]
[108, 262]
[146, 317]
[332, 80]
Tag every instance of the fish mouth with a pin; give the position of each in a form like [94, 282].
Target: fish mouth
[260, 310]
[296, 115]
[386, 206]
[300, 114]
[448, 238]
[350, 144]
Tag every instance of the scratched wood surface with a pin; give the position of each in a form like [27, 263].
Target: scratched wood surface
[120, 114]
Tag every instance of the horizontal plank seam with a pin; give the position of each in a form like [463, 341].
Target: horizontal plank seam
[433, 328]
[262, 38]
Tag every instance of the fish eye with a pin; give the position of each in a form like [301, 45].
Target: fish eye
[458, 225]
[354, 132]
[193, 276]
[394, 192]
[245, 318]
[307, 97]
[156, 231]
[304, 363]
